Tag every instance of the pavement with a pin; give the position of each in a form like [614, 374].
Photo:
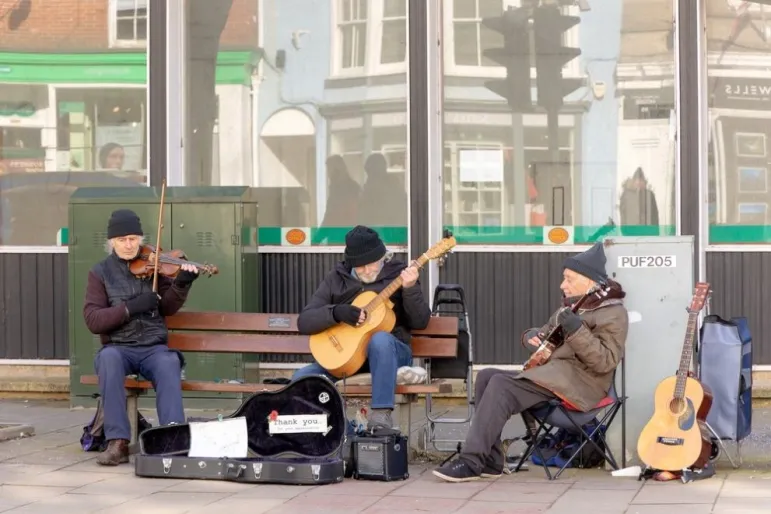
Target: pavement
[49, 473]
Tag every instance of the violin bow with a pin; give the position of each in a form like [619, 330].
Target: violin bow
[158, 240]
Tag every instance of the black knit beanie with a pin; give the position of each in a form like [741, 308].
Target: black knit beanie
[124, 222]
[590, 264]
[363, 246]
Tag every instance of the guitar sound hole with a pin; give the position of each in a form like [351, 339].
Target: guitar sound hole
[677, 405]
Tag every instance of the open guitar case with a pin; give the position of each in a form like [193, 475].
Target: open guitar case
[284, 458]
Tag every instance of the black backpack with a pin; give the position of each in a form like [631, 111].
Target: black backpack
[93, 439]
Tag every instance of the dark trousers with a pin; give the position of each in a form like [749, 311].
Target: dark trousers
[498, 396]
[158, 364]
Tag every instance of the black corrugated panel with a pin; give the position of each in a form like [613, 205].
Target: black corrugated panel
[739, 282]
[689, 122]
[33, 306]
[288, 282]
[156, 114]
[418, 116]
[507, 293]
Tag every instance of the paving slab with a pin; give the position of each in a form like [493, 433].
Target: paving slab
[49, 472]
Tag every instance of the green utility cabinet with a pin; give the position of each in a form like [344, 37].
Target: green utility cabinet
[215, 225]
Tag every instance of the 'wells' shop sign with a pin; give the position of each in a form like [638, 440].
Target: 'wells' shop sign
[740, 93]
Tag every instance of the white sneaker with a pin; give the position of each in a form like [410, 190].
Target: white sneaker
[410, 375]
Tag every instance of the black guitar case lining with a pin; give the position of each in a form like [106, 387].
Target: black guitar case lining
[291, 458]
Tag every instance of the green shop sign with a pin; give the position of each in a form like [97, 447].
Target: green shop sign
[470, 235]
[108, 68]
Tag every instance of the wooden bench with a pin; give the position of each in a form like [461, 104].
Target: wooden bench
[252, 333]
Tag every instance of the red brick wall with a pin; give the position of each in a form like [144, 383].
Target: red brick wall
[82, 25]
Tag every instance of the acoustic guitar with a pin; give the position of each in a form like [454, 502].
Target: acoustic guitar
[675, 437]
[342, 348]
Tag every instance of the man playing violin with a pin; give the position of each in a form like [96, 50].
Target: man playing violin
[129, 318]
[580, 370]
[369, 267]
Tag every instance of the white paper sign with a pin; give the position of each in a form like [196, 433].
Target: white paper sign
[647, 261]
[226, 438]
[309, 423]
[481, 166]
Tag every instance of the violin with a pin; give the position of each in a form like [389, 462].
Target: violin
[168, 263]
[555, 337]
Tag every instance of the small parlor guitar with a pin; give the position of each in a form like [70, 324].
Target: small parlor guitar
[675, 437]
[342, 348]
[554, 338]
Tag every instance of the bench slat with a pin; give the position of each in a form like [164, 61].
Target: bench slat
[219, 342]
[440, 326]
[216, 387]
[233, 321]
[284, 323]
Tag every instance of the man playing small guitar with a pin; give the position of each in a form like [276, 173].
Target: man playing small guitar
[369, 267]
[589, 345]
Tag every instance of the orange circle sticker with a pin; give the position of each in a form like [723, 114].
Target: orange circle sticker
[558, 235]
[295, 236]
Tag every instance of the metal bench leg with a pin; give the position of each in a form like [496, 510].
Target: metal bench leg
[132, 409]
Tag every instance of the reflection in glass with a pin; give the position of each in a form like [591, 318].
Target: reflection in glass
[739, 96]
[590, 147]
[73, 110]
[306, 101]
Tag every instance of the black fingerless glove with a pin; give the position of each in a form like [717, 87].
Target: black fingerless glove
[145, 302]
[346, 314]
[185, 278]
[569, 320]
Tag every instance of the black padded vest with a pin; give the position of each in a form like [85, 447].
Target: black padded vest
[144, 329]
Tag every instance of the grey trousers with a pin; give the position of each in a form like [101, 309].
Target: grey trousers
[498, 396]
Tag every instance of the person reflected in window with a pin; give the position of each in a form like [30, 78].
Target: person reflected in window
[383, 200]
[343, 194]
[112, 156]
[638, 201]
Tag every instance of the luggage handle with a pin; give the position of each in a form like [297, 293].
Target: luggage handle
[441, 288]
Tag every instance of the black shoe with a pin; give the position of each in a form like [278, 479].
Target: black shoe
[456, 471]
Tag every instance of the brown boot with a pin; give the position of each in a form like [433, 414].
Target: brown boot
[116, 453]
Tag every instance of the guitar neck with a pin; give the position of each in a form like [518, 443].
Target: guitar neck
[687, 355]
[394, 286]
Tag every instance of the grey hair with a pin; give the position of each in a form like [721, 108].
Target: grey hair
[108, 245]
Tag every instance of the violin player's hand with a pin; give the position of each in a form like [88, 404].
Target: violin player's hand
[145, 302]
[187, 274]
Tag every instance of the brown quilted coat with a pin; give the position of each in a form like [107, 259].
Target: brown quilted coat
[581, 370]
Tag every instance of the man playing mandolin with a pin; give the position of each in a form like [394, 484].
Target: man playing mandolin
[579, 371]
[369, 267]
[129, 318]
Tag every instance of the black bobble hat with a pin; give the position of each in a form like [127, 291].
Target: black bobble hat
[124, 222]
[363, 246]
[590, 263]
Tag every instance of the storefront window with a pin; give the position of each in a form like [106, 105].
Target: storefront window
[312, 113]
[584, 150]
[739, 96]
[73, 111]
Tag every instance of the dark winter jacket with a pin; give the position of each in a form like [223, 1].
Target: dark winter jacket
[110, 284]
[339, 286]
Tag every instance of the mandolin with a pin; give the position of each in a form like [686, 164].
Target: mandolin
[554, 338]
[342, 348]
[675, 437]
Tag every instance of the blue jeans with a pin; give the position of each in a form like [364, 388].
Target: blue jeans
[385, 355]
[157, 363]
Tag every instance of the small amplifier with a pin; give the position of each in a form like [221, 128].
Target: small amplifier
[380, 457]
